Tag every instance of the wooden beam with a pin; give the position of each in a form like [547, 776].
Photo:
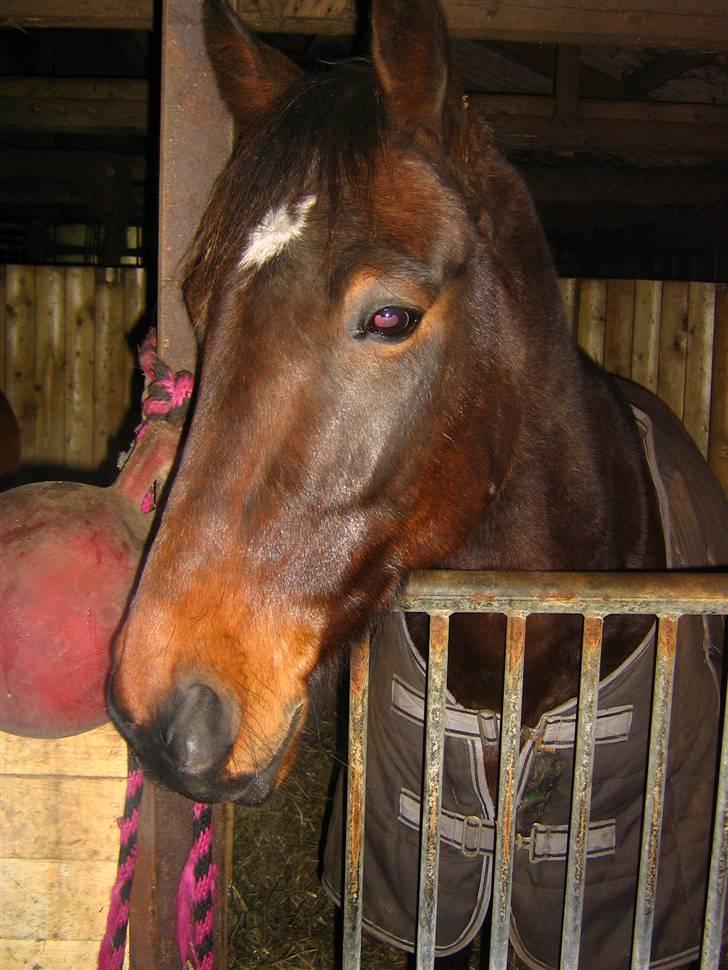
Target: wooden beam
[107, 14]
[672, 186]
[684, 24]
[51, 165]
[524, 123]
[663, 68]
[71, 105]
[567, 81]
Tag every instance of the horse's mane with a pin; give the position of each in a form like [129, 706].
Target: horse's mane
[324, 134]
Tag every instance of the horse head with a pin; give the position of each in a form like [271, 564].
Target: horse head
[369, 287]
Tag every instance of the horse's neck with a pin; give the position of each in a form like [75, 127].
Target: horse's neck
[578, 497]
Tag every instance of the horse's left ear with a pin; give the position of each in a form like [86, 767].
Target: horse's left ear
[410, 54]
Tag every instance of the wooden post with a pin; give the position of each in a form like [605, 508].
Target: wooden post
[196, 137]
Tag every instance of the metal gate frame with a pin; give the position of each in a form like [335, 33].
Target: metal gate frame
[595, 596]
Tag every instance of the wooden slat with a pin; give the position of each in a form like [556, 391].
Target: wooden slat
[699, 365]
[80, 892]
[50, 356]
[673, 346]
[56, 818]
[80, 328]
[718, 442]
[108, 400]
[20, 351]
[646, 335]
[49, 954]
[619, 327]
[134, 309]
[592, 318]
[100, 753]
[569, 289]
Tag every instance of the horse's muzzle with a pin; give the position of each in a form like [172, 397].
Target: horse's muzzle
[187, 746]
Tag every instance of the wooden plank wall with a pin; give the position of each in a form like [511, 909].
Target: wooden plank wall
[59, 802]
[65, 361]
[671, 338]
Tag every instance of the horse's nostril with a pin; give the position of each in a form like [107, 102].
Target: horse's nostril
[197, 729]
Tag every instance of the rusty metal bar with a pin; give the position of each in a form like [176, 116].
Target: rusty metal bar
[510, 744]
[355, 805]
[432, 791]
[595, 594]
[581, 791]
[654, 789]
[715, 906]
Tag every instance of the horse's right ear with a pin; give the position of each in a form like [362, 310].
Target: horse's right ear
[250, 76]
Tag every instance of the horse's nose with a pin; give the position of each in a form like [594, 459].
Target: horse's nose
[197, 727]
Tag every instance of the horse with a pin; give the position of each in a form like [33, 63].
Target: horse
[386, 385]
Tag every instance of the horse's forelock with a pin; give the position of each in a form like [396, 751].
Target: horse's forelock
[322, 140]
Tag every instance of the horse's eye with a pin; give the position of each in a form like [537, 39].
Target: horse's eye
[393, 322]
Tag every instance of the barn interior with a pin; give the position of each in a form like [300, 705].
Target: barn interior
[617, 119]
[623, 140]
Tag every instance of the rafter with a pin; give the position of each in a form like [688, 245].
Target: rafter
[684, 24]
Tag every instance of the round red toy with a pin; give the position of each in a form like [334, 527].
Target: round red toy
[70, 553]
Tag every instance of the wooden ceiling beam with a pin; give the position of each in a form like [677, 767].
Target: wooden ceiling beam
[103, 14]
[684, 24]
[523, 123]
[671, 186]
[72, 105]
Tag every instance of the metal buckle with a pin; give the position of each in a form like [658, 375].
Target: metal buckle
[470, 842]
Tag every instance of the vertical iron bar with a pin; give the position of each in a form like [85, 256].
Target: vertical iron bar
[510, 744]
[715, 905]
[431, 791]
[355, 805]
[654, 790]
[581, 791]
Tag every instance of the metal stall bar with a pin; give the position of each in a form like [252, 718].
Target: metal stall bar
[581, 790]
[431, 791]
[462, 591]
[654, 790]
[715, 905]
[355, 805]
[594, 595]
[508, 766]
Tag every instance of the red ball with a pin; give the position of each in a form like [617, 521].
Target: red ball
[70, 553]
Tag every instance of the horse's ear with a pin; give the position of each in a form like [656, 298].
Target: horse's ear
[410, 54]
[250, 76]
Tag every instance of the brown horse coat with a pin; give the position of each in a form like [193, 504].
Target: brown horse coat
[696, 528]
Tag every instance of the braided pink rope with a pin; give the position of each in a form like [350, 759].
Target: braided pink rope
[166, 397]
[113, 946]
[196, 896]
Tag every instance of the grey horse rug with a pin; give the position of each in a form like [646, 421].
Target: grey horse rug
[695, 519]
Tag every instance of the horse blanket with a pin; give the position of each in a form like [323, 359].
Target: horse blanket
[695, 520]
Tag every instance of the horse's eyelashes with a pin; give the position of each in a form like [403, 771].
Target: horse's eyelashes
[392, 322]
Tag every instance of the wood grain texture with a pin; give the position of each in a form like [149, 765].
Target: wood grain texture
[50, 362]
[718, 439]
[80, 333]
